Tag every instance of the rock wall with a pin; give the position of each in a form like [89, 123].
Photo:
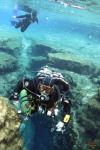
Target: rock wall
[9, 127]
[8, 63]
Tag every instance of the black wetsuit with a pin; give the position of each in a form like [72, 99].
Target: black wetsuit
[60, 87]
[23, 21]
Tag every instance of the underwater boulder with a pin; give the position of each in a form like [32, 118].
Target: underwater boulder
[9, 126]
[8, 63]
[93, 109]
[71, 62]
[42, 50]
[11, 44]
[96, 78]
[37, 62]
[8, 82]
[89, 124]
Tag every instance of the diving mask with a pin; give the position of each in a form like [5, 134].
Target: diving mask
[45, 89]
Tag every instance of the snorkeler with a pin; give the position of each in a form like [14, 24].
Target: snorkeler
[46, 93]
[23, 21]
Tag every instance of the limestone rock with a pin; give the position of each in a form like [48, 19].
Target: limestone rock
[10, 43]
[9, 127]
[42, 50]
[7, 63]
[71, 62]
[94, 109]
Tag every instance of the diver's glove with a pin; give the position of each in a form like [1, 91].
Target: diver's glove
[60, 126]
[14, 96]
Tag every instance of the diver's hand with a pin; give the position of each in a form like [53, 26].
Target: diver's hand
[49, 113]
[59, 126]
[14, 96]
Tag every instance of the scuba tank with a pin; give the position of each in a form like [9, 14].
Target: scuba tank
[24, 103]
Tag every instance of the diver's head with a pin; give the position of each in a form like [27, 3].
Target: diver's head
[46, 86]
[33, 14]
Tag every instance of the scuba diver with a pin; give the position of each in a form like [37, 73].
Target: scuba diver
[45, 93]
[23, 21]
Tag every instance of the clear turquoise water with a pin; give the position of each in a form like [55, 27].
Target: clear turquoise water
[66, 29]
[69, 29]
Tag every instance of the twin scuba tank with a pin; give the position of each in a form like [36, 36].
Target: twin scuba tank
[25, 105]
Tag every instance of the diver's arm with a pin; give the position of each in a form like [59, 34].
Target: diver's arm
[19, 86]
[63, 83]
[60, 127]
[21, 16]
[15, 94]
[22, 84]
[66, 110]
